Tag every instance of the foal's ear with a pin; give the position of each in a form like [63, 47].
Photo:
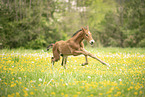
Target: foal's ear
[82, 28]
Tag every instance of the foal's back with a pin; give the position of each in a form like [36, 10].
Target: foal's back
[63, 47]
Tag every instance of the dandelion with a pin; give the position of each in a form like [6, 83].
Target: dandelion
[100, 93]
[135, 93]
[131, 87]
[128, 89]
[62, 93]
[118, 93]
[52, 93]
[45, 83]
[17, 94]
[31, 93]
[66, 95]
[61, 79]
[39, 84]
[140, 92]
[78, 92]
[110, 91]
[75, 95]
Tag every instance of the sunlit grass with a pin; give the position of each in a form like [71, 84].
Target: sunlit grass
[29, 73]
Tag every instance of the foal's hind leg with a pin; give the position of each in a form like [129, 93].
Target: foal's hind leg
[52, 61]
[86, 63]
[55, 57]
[64, 63]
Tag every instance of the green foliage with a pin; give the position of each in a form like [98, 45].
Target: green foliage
[37, 43]
[34, 27]
[122, 25]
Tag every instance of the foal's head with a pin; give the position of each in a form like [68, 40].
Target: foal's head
[87, 35]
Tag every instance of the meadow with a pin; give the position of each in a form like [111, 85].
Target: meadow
[28, 73]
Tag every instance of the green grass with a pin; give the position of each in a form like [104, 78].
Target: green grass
[28, 73]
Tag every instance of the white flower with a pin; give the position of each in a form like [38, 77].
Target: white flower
[40, 79]
[120, 80]
[19, 77]
[0, 79]
[66, 84]
[89, 77]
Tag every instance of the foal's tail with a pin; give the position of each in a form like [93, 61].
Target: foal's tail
[49, 46]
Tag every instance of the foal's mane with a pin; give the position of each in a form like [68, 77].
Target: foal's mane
[78, 31]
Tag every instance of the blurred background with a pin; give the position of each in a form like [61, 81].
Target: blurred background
[37, 23]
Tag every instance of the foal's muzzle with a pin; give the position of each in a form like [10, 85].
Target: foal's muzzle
[92, 42]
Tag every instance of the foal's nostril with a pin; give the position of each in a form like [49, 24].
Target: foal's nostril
[92, 42]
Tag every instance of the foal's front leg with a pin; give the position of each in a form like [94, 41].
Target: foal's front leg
[86, 63]
[65, 62]
[91, 55]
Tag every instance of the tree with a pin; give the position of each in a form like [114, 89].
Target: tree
[28, 23]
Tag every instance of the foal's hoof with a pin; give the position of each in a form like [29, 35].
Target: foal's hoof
[84, 64]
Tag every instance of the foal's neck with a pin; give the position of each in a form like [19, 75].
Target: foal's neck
[78, 38]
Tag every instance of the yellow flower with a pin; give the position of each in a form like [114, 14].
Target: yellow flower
[100, 94]
[39, 84]
[10, 95]
[78, 92]
[12, 85]
[128, 89]
[26, 94]
[62, 93]
[61, 79]
[66, 95]
[31, 93]
[110, 91]
[118, 93]
[131, 87]
[135, 93]
[17, 94]
[140, 92]
[75, 95]
[52, 80]
[45, 83]
[53, 93]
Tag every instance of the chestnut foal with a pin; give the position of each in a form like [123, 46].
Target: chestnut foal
[73, 46]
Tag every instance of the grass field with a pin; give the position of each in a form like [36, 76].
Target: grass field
[29, 73]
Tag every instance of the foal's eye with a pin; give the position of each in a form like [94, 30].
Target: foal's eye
[86, 34]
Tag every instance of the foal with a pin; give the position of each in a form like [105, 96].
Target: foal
[74, 46]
